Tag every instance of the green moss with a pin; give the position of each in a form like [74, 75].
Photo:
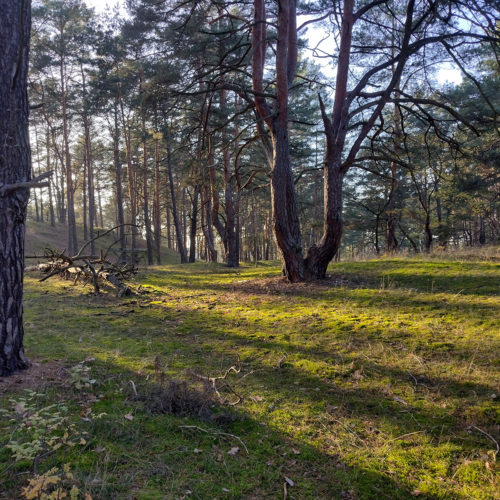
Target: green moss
[367, 389]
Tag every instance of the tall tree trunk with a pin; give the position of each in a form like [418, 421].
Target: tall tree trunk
[48, 166]
[88, 164]
[169, 230]
[184, 217]
[427, 233]
[35, 199]
[99, 203]
[145, 193]
[286, 224]
[156, 203]
[194, 224]
[70, 191]
[391, 222]
[181, 247]
[391, 244]
[118, 185]
[84, 200]
[15, 167]
[130, 178]
[145, 177]
[206, 223]
[230, 245]
[319, 256]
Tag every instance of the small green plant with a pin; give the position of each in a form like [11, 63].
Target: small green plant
[80, 376]
[37, 431]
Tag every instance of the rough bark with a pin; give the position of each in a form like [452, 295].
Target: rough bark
[284, 207]
[319, 256]
[15, 24]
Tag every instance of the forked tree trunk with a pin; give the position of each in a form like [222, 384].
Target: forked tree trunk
[15, 24]
[319, 256]
[284, 208]
[286, 224]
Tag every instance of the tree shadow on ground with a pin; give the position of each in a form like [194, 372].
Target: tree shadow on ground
[156, 455]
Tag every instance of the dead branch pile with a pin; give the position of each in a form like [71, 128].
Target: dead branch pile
[93, 269]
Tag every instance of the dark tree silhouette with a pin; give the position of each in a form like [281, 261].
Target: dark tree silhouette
[15, 165]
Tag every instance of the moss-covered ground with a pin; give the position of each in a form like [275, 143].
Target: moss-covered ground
[381, 382]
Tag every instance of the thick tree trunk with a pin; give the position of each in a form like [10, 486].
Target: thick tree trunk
[15, 24]
[284, 207]
[319, 256]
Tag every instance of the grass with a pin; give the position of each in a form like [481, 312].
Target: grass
[382, 383]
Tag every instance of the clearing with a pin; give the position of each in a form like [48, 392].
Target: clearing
[381, 382]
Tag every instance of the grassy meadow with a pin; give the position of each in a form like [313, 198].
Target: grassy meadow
[212, 383]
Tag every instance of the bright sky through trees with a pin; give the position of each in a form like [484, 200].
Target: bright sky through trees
[447, 74]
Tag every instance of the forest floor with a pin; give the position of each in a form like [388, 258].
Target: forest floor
[379, 382]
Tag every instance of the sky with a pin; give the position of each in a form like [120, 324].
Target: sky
[446, 74]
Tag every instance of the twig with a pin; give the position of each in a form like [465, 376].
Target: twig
[216, 433]
[56, 271]
[133, 387]
[97, 237]
[404, 436]
[213, 382]
[487, 435]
